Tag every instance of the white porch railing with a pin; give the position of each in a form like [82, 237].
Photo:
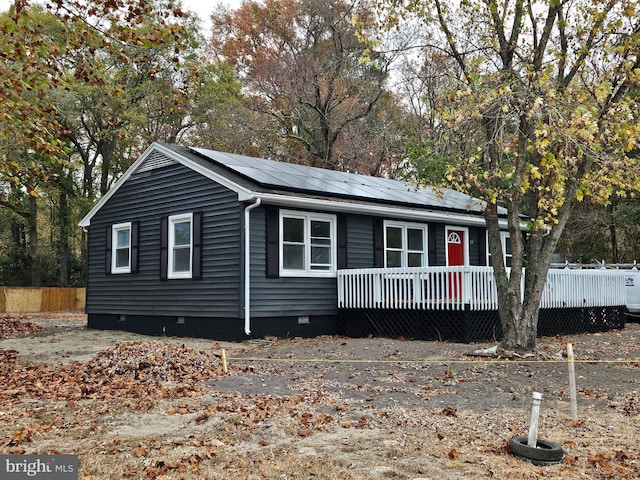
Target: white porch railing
[453, 288]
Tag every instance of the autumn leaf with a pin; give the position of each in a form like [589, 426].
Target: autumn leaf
[200, 419]
[140, 451]
[601, 461]
[11, 326]
[450, 411]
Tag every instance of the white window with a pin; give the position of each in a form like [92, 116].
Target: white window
[405, 245]
[180, 255]
[121, 248]
[307, 244]
[507, 251]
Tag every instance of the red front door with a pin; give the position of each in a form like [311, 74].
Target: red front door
[455, 257]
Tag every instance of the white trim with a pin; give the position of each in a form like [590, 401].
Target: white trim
[503, 242]
[330, 205]
[405, 246]
[308, 217]
[247, 266]
[172, 220]
[350, 206]
[242, 192]
[115, 228]
[465, 261]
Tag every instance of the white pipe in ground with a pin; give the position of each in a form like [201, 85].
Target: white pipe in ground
[572, 382]
[532, 440]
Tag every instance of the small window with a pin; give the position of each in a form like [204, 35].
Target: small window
[506, 247]
[180, 246]
[507, 251]
[121, 248]
[405, 245]
[308, 244]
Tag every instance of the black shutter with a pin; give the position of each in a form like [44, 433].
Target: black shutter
[481, 241]
[378, 242]
[432, 246]
[437, 245]
[273, 229]
[197, 246]
[134, 247]
[164, 246]
[342, 241]
[107, 259]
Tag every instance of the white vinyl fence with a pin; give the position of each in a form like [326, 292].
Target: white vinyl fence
[453, 288]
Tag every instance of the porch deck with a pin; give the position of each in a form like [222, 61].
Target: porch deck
[461, 304]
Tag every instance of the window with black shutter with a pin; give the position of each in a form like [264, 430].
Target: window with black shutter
[181, 246]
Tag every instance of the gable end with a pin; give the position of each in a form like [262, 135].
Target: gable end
[153, 161]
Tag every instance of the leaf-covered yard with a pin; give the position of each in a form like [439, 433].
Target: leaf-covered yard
[326, 408]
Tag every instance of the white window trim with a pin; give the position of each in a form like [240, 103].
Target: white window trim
[114, 247]
[308, 217]
[172, 220]
[465, 241]
[405, 249]
[503, 241]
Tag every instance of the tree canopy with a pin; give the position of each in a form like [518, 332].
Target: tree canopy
[303, 64]
[541, 98]
[44, 50]
[85, 87]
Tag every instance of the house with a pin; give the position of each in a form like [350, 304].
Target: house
[194, 242]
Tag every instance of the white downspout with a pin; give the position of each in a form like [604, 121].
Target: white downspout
[247, 267]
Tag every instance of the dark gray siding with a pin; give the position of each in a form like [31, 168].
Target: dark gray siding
[146, 198]
[477, 246]
[285, 296]
[360, 248]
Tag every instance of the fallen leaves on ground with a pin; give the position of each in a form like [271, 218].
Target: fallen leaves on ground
[127, 370]
[11, 326]
[322, 420]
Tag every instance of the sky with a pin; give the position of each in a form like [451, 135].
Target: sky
[202, 7]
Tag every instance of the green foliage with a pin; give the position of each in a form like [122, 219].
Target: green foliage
[542, 115]
[85, 87]
[424, 164]
[54, 47]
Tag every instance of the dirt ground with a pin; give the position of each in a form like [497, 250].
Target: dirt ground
[132, 406]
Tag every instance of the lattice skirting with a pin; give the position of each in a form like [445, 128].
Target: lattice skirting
[470, 326]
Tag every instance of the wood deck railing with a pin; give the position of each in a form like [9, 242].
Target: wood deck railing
[457, 288]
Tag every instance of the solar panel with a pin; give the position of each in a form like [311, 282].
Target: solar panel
[302, 178]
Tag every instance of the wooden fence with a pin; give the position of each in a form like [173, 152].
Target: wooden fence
[46, 299]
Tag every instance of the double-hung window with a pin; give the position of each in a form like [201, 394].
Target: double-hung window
[121, 248]
[308, 244]
[180, 246]
[405, 245]
[507, 251]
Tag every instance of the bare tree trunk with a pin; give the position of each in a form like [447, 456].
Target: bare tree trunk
[106, 150]
[84, 255]
[63, 243]
[17, 235]
[612, 232]
[34, 249]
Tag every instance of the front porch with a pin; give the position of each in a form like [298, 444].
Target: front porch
[460, 303]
